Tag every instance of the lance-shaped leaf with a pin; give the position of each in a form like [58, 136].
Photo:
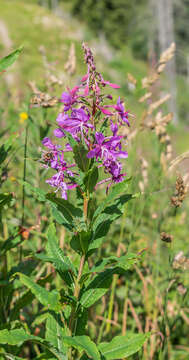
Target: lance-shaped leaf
[116, 191]
[91, 179]
[8, 356]
[10, 59]
[26, 298]
[83, 343]
[61, 262]
[125, 262]
[46, 298]
[80, 156]
[123, 346]
[54, 331]
[70, 214]
[103, 221]
[97, 288]
[10, 243]
[19, 336]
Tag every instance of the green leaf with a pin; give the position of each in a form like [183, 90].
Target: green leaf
[54, 331]
[19, 336]
[91, 179]
[97, 288]
[58, 216]
[125, 262]
[123, 346]
[116, 190]
[56, 252]
[14, 337]
[5, 199]
[83, 343]
[80, 156]
[10, 243]
[8, 356]
[46, 298]
[61, 262]
[10, 59]
[69, 212]
[80, 241]
[103, 222]
[26, 298]
[81, 322]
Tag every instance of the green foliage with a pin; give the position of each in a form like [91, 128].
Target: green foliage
[116, 191]
[110, 17]
[83, 343]
[91, 179]
[97, 288]
[54, 331]
[123, 346]
[48, 299]
[19, 336]
[10, 59]
[80, 156]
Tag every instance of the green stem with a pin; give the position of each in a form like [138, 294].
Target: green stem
[111, 304]
[23, 188]
[81, 266]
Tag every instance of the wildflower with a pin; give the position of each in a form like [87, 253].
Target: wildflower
[85, 108]
[69, 98]
[76, 122]
[121, 112]
[58, 182]
[22, 117]
[51, 158]
[106, 147]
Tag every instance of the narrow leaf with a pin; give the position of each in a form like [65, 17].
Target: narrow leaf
[10, 59]
[83, 343]
[54, 331]
[80, 156]
[123, 346]
[97, 288]
[61, 262]
[116, 190]
[19, 336]
[49, 299]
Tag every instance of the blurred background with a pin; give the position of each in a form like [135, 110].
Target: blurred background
[128, 35]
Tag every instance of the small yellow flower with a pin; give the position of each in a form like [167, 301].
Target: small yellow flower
[12, 178]
[22, 117]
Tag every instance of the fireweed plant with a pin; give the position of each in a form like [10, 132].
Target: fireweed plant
[89, 126]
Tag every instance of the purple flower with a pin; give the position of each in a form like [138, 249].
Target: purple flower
[48, 143]
[69, 98]
[82, 119]
[76, 122]
[58, 182]
[59, 133]
[52, 157]
[121, 111]
[107, 147]
[114, 86]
